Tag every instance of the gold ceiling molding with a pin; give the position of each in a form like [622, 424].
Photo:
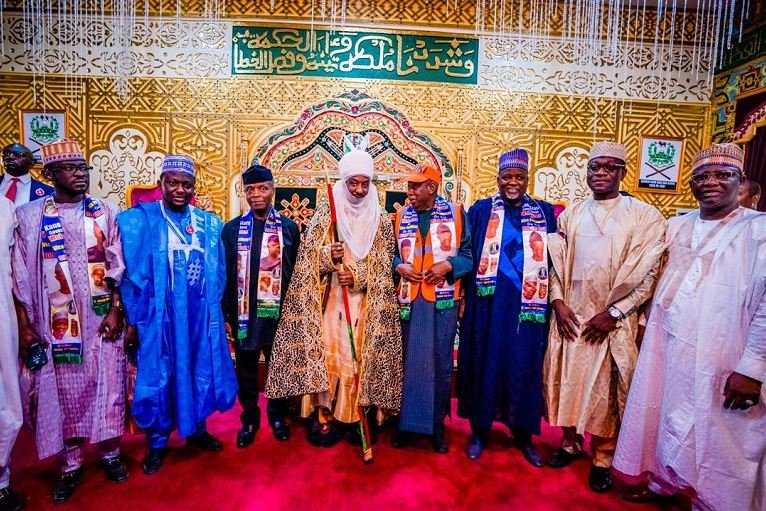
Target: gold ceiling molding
[436, 13]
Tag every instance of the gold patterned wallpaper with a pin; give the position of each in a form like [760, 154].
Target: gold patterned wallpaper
[214, 119]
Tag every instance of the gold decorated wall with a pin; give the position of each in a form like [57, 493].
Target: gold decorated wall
[214, 119]
[530, 92]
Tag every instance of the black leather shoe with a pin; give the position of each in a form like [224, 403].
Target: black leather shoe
[642, 494]
[532, 455]
[326, 434]
[475, 448]
[438, 441]
[280, 430]
[116, 469]
[246, 436]
[600, 479]
[561, 458]
[153, 461]
[400, 439]
[205, 441]
[10, 500]
[66, 486]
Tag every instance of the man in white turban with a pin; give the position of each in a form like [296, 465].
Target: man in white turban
[314, 321]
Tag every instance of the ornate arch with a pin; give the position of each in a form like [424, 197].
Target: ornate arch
[303, 153]
[754, 120]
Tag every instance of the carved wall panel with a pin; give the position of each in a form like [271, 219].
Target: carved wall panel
[195, 49]
[127, 160]
[212, 120]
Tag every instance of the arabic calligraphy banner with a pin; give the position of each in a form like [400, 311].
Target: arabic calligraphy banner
[350, 54]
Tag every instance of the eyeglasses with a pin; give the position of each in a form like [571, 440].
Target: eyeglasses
[611, 168]
[71, 169]
[717, 175]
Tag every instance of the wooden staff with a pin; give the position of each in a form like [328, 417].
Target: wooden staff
[364, 428]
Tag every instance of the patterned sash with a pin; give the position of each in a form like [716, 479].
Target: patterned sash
[486, 274]
[534, 284]
[442, 223]
[269, 292]
[65, 320]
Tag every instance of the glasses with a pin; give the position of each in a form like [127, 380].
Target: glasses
[611, 168]
[71, 169]
[717, 175]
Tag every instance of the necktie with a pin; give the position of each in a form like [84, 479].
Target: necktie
[11, 193]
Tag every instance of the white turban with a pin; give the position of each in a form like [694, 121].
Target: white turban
[358, 219]
[355, 163]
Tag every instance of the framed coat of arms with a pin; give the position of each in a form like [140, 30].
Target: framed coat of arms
[660, 162]
[38, 128]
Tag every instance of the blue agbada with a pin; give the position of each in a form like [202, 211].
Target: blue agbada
[185, 371]
[499, 359]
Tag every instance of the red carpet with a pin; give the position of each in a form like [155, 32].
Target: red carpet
[297, 476]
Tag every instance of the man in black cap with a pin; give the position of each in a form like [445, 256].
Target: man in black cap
[252, 311]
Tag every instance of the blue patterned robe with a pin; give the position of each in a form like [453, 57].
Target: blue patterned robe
[185, 371]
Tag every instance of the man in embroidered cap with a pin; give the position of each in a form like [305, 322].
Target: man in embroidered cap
[251, 313]
[314, 321]
[605, 261]
[749, 194]
[17, 185]
[505, 327]
[174, 282]
[695, 417]
[80, 393]
[430, 310]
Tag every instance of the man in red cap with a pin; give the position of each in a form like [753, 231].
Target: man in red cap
[429, 304]
[80, 392]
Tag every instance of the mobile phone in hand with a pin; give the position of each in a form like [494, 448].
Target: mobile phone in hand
[36, 357]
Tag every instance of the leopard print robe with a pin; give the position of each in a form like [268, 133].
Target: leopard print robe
[297, 365]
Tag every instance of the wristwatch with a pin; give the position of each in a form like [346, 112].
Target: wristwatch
[615, 313]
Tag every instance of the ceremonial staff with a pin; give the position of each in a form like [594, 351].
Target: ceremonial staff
[364, 428]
